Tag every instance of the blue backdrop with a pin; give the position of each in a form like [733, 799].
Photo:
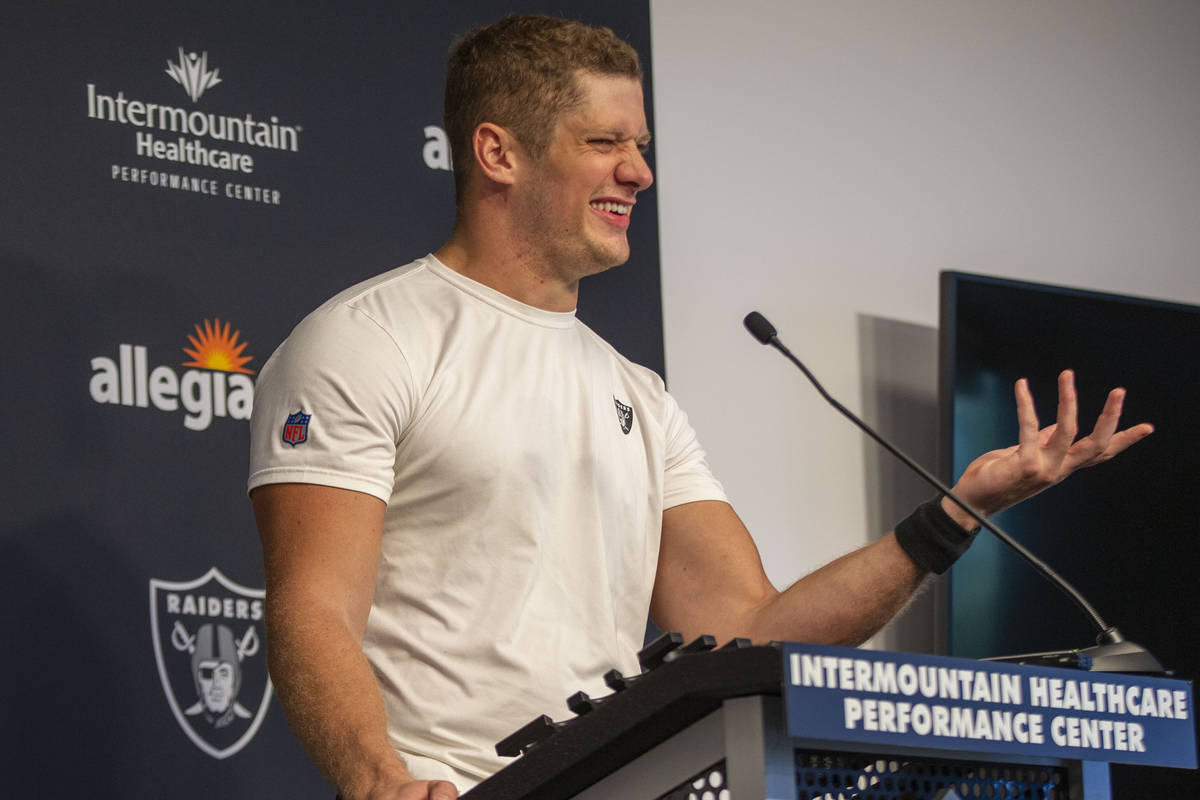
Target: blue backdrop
[184, 182]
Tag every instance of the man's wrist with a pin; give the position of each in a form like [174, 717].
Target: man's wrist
[377, 779]
[956, 513]
[932, 538]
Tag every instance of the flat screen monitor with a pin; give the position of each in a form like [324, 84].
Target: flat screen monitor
[1125, 532]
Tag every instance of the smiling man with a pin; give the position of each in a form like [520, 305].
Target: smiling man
[558, 211]
[488, 499]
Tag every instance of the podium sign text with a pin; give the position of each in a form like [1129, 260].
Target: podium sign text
[848, 695]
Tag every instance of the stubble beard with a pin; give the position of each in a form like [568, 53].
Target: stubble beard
[564, 249]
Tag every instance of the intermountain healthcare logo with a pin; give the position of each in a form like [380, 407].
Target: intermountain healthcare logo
[193, 137]
[192, 74]
[220, 387]
[209, 643]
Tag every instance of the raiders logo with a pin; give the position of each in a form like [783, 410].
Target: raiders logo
[624, 416]
[209, 644]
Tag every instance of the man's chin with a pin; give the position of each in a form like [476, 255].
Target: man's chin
[597, 258]
[605, 266]
[611, 257]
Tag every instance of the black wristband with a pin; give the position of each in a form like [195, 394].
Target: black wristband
[932, 538]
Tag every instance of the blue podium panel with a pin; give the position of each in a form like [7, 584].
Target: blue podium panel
[807, 722]
[953, 704]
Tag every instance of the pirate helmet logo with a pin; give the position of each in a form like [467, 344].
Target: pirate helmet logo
[624, 416]
[208, 645]
[217, 670]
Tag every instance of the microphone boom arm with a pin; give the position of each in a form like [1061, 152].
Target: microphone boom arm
[1107, 635]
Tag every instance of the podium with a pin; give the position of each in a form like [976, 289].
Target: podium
[799, 722]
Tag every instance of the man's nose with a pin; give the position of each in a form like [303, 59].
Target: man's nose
[634, 171]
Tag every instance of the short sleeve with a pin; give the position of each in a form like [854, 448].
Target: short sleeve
[687, 477]
[331, 405]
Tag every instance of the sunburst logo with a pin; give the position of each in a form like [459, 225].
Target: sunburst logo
[217, 385]
[216, 347]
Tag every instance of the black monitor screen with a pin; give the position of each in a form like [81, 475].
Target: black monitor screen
[1125, 532]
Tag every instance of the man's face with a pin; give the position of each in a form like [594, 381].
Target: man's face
[576, 199]
[216, 684]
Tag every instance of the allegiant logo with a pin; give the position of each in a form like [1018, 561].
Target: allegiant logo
[220, 385]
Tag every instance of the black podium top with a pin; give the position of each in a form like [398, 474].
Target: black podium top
[642, 712]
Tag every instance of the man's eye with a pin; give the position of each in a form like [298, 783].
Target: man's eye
[603, 142]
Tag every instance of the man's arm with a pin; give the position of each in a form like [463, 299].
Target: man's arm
[710, 577]
[321, 549]
[710, 580]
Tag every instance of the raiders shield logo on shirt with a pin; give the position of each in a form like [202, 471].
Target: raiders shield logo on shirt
[624, 416]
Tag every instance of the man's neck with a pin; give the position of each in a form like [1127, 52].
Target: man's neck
[507, 271]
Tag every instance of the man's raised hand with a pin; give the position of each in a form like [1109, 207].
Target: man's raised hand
[1042, 458]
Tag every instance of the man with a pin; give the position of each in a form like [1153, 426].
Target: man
[487, 500]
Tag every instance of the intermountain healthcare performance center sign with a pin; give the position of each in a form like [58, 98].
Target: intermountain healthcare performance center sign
[958, 704]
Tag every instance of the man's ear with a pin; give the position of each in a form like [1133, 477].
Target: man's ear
[497, 152]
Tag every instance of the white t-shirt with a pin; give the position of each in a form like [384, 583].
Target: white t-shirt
[525, 465]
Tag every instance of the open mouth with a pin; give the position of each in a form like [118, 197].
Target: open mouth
[621, 209]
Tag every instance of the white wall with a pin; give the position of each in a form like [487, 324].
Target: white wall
[821, 161]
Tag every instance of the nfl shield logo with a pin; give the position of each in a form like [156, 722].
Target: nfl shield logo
[209, 642]
[295, 430]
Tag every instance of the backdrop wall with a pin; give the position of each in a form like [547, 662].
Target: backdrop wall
[184, 182]
[822, 161]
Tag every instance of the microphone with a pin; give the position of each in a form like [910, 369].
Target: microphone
[1112, 652]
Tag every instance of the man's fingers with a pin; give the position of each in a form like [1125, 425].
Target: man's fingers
[1103, 443]
[1045, 433]
[1094, 448]
[1087, 453]
[1067, 425]
[1106, 423]
[442, 790]
[1027, 421]
[1001, 478]
[1125, 438]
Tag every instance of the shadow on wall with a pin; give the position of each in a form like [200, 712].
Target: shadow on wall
[899, 391]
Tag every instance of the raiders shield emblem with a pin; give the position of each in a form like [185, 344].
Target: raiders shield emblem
[209, 644]
[624, 416]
